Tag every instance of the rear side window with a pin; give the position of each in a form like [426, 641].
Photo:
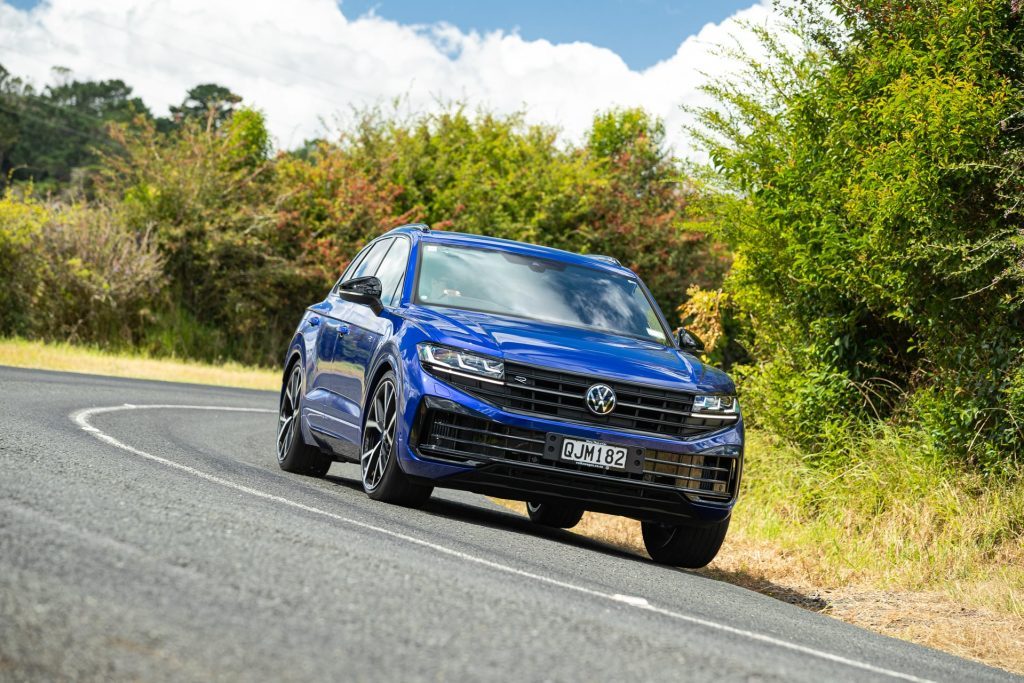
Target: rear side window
[368, 266]
[352, 265]
[392, 272]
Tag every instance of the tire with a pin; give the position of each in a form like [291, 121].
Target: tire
[558, 515]
[383, 478]
[684, 545]
[293, 453]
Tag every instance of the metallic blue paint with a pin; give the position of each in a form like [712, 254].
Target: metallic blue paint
[343, 347]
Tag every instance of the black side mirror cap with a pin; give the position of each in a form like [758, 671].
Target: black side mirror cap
[363, 290]
[688, 341]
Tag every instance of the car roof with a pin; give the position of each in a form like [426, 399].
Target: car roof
[422, 233]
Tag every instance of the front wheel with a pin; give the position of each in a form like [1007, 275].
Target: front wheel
[684, 545]
[383, 478]
[558, 515]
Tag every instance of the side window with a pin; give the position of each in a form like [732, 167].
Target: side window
[392, 272]
[351, 268]
[368, 266]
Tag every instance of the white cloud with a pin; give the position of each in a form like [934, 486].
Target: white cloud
[303, 61]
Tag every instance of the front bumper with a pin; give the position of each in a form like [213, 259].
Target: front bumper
[501, 453]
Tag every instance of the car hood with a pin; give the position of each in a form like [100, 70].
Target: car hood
[570, 349]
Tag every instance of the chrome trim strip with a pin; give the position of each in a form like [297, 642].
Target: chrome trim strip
[652, 409]
[553, 392]
[330, 417]
[444, 368]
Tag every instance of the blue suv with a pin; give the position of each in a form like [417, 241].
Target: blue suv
[517, 371]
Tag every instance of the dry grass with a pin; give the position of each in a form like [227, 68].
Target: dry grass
[50, 356]
[936, 618]
[893, 544]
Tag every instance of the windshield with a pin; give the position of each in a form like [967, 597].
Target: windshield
[528, 287]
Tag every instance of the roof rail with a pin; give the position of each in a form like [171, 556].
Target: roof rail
[422, 227]
[606, 259]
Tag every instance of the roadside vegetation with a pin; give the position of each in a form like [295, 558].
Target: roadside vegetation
[853, 253]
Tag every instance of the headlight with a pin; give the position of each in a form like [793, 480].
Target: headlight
[715, 405]
[461, 362]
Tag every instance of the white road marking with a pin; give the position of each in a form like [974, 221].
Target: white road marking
[633, 600]
[81, 418]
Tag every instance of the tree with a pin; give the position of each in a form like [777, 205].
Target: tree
[109, 100]
[207, 101]
[12, 90]
[45, 135]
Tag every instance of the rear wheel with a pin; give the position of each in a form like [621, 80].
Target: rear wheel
[293, 453]
[684, 545]
[383, 478]
[559, 515]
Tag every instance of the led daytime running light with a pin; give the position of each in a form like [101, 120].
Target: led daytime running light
[721, 405]
[461, 361]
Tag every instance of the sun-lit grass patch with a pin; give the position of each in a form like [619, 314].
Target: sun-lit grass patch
[57, 356]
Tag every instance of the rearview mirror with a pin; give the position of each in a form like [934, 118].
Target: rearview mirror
[689, 342]
[363, 290]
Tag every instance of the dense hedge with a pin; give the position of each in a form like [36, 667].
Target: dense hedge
[875, 222]
[240, 241]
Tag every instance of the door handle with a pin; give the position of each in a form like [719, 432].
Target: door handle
[314, 321]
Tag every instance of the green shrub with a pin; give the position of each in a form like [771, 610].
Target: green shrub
[98, 280]
[74, 273]
[642, 210]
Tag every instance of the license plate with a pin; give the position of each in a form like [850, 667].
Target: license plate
[595, 454]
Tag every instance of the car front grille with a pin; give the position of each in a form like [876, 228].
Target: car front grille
[464, 438]
[550, 393]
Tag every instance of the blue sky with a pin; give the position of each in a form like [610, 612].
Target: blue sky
[642, 32]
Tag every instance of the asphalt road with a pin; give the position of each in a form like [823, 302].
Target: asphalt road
[155, 544]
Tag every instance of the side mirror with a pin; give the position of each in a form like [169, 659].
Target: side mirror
[363, 290]
[688, 341]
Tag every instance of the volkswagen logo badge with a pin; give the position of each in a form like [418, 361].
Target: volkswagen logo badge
[600, 399]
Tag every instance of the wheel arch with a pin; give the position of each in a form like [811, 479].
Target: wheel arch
[385, 362]
[295, 353]
[294, 356]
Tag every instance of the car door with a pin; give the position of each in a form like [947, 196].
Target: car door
[366, 329]
[343, 350]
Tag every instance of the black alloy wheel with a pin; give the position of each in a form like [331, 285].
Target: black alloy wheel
[382, 476]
